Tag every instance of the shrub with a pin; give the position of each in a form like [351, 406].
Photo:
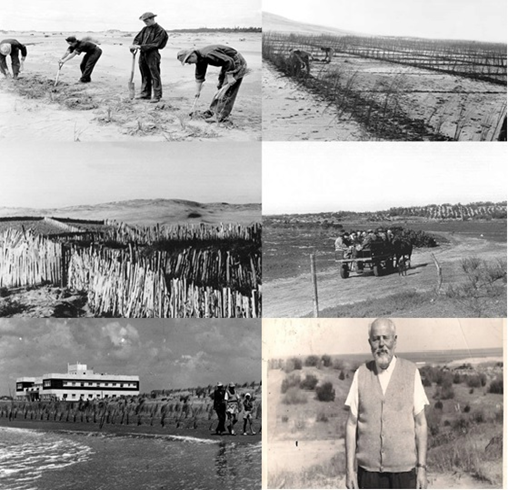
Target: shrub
[294, 396]
[309, 383]
[290, 381]
[321, 417]
[471, 391]
[438, 405]
[467, 409]
[426, 381]
[474, 381]
[293, 364]
[444, 393]
[341, 376]
[327, 360]
[457, 378]
[478, 417]
[461, 424]
[312, 361]
[325, 392]
[284, 419]
[496, 386]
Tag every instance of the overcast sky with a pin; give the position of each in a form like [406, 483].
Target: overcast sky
[67, 174]
[101, 15]
[164, 353]
[286, 337]
[480, 20]
[302, 177]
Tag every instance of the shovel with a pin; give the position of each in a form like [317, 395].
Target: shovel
[58, 75]
[131, 83]
[193, 106]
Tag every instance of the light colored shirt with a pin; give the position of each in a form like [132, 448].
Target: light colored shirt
[419, 397]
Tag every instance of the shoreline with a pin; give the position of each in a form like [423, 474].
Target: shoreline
[131, 430]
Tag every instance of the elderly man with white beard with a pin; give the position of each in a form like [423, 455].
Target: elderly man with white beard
[386, 431]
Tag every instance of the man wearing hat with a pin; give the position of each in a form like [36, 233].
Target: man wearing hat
[151, 38]
[219, 405]
[12, 47]
[92, 55]
[233, 69]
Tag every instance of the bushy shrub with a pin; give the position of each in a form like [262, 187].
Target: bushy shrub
[457, 378]
[467, 409]
[327, 360]
[461, 424]
[476, 381]
[341, 376]
[438, 405]
[321, 417]
[309, 383]
[293, 364]
[478, 417]
[289, 381]
[426, 381]
[294, 396]
[312, 361]
[496, 386]
[325, 392]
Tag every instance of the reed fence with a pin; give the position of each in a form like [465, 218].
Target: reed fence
[124, 276]
[123, 412]
[27, 259]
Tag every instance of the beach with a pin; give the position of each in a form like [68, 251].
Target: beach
[74, 456]
[103, 111]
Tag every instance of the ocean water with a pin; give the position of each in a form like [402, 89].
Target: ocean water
[34, 460]
[435, 356]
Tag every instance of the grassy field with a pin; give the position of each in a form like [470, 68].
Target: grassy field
[465, 421]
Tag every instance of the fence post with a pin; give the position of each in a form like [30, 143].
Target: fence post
[439, 273]
[63, 278]
[314, 283]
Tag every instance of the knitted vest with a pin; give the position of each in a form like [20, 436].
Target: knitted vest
[386, 427]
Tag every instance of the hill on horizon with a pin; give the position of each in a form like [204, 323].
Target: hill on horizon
[147, 212]
[278, 23]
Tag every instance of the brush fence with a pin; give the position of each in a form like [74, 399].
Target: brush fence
[27, 259]
[125, 283]
[169, 414]
[479, 61]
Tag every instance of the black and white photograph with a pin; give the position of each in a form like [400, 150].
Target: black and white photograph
[437, 382]
[116, 230]
[391, 70]
[353, 231]
[130, 404]
[109, 71]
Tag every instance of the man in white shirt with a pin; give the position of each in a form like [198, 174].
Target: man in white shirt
[386, 431]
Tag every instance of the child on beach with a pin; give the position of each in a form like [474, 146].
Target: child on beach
[247, 414]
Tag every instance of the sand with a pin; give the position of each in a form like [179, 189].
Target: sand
[103, 111]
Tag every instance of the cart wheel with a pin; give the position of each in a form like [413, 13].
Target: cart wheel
[344, 272]
[377, 270]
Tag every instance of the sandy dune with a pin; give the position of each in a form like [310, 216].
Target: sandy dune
[103, 111]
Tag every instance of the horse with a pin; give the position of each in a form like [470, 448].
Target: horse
[403, 249]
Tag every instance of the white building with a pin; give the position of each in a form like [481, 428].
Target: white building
[78, 383]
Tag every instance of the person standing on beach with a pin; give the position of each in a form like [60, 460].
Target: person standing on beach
[219, 405]
[247, 414]
[93, 53]
[149, 40]
[12, 47]
[386, 431]
[233, 69]
[233, 404]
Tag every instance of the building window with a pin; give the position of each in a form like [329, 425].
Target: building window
[121, 385]
[82, 384]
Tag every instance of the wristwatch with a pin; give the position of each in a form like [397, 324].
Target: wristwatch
[424, 466]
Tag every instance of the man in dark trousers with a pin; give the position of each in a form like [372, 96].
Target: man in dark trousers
[233, 69]
[219, 405]
[386, 431]
[12, 47]
[92, 55]
[151, 38]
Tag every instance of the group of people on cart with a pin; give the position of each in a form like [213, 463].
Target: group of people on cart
[350, 243]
